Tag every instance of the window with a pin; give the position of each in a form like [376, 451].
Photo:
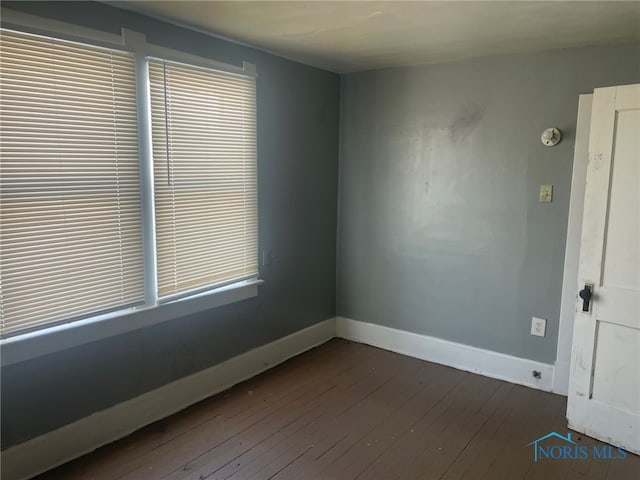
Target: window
[72, 220]
[70, 232]
[204, 150]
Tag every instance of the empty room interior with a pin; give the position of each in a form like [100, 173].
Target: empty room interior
[320, 240]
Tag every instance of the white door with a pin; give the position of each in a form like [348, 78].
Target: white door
[604, 385]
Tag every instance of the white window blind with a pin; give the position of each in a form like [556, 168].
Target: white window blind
[205, 176]
[70, 235]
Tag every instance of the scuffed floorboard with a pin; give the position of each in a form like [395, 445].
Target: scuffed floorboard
[349, 411]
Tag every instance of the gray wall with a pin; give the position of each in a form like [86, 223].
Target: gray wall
[298, 113]
[440, 229]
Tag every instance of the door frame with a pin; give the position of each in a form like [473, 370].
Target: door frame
[572, 249]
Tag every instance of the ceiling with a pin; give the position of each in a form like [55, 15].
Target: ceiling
[351, 36]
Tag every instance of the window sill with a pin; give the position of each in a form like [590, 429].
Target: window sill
[30, 345]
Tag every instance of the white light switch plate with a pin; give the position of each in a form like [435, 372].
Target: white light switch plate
[538, 326]
[546, 193]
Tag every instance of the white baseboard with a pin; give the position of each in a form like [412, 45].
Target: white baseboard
[463, 357]
[83, 436]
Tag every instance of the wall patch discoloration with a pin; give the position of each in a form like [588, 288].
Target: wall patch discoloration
[466, 121]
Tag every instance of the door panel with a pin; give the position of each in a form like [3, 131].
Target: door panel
[621, 233]
[616, 386]
[604, 386]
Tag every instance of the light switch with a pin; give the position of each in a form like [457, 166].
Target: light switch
[546, 193]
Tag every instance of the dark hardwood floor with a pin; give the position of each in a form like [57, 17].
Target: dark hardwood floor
[350, 411]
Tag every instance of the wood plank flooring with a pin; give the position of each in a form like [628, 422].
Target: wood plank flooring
[350, 411]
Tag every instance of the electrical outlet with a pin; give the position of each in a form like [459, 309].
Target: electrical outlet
[538, 326]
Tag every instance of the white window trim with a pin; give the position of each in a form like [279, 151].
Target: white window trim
[34, 344]
[128, 40]
[25, 346]
[67, 31]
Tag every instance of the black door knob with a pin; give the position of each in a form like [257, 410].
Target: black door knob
[586, 294]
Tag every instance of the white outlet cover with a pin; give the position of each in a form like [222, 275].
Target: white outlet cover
[538, 326]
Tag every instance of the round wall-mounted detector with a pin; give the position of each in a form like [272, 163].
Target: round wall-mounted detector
[551, 137]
